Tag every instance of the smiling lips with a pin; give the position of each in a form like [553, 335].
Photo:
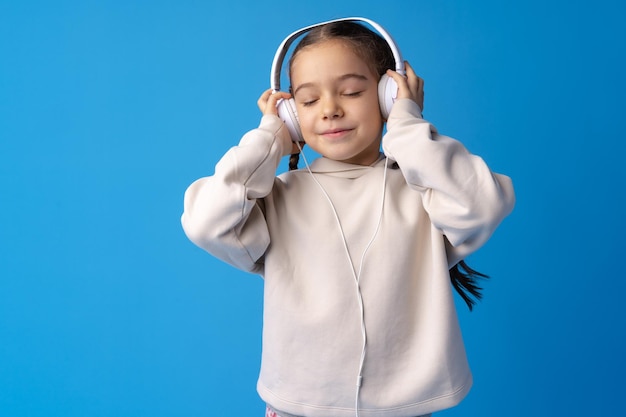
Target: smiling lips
[335, 133]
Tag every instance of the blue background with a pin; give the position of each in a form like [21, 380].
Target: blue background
[109, 110]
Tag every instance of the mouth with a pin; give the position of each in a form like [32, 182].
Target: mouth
[335, 133]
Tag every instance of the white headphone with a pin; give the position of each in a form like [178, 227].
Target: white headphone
[387, 87]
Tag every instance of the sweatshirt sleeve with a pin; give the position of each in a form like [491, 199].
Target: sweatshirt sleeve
[463, 198]
[221, 214]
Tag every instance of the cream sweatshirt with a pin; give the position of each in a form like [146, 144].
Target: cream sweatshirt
[442, 204]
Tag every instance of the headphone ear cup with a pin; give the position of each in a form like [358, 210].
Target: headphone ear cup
[387, 94]
[287, 112]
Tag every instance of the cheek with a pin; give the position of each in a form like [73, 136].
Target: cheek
[370, 108]
[371, 115]
[306, 119]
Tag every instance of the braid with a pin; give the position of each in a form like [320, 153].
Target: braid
[464, 281]
[293, 161]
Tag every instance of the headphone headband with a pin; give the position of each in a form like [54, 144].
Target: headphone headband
[285, 44]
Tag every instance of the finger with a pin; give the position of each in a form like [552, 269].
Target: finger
[411, 73]
[409, 69]
[398, 78]
[275, 96]
[401, 81]
[262, 101]
[403, 88]
[272, 100]
[415, 83]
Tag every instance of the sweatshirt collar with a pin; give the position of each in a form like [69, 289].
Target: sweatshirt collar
[341, 169]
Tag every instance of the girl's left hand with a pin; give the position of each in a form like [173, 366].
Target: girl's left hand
[411, 87]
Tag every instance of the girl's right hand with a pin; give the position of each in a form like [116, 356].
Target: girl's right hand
[267, 104]
[268, 100]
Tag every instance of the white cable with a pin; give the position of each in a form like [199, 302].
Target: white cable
[356, 275]
[380, 217]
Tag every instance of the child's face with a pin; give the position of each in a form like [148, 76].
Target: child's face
[336, 97]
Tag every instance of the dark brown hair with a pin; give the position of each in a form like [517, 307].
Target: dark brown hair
[368, 45]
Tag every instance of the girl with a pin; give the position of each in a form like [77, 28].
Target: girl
[355, 250]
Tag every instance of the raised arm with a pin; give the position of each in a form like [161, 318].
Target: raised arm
[221, 214]
[464, 199]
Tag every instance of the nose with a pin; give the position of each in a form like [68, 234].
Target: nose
[331, 109]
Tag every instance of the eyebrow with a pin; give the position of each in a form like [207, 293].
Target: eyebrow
[342, 78]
